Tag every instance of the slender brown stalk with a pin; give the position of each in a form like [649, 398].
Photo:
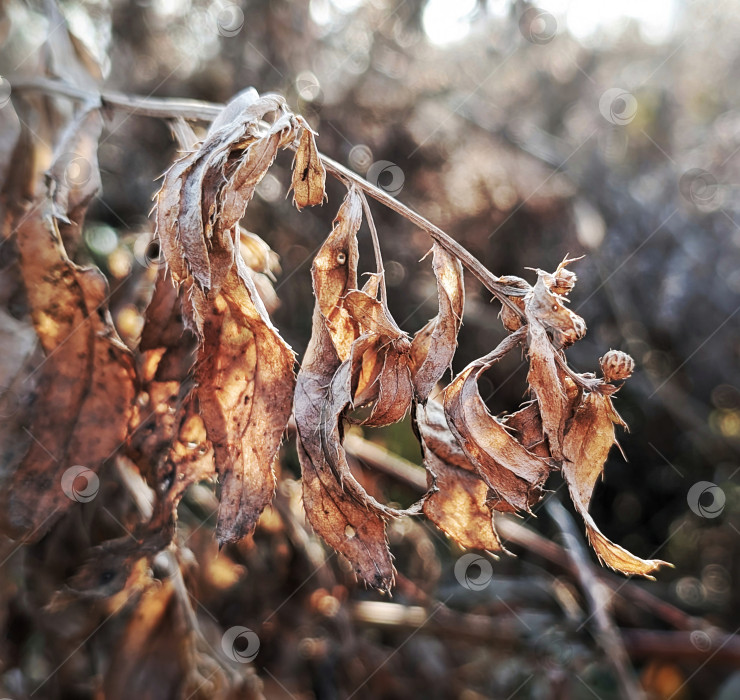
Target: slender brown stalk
[598, 597]
[168, 108]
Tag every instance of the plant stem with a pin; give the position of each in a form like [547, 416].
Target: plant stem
[169, 108]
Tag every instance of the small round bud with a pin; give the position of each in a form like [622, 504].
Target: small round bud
[616, 365]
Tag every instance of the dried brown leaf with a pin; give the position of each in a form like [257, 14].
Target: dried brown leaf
[334, 273]
[309, 174]
[205, 192]
[457, 496]
[434, 345]
[245, 389]
[586, 447]
[526, 423]
[86, 382]
[384, 350]
[513, 473]
[546, 312]
[333, 408]
[346, 524]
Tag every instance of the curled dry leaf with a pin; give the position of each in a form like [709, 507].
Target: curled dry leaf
[245, 382]
[205, 192]
[545, 312]
[526, 424]
[334, 274]
[168, 438]
[344, 521]
[338, 399]
[433, 347]
[309, 174]
[86, 383]
[586, 446]
[456, 502]
[514, 474]
[167, 351]
[382, 358]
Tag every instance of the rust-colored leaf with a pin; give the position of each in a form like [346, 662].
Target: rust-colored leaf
[334, 273]
[338, 399]
[205, 192]
[587, 443]
[309, 174]
[385, 377]
[245, 388]
[513, 473]
[546, 312]
[86, 381]
[526, 424]
[434, 345]
[456, 503]
[168, 440]
[346, 524]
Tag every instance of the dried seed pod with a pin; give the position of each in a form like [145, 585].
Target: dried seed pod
[564, 280]
[616, 365]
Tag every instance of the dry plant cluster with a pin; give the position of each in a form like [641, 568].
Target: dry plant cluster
[212, 387]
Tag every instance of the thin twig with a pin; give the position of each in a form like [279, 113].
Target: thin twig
[376, 248]
[605, 631]
[167, 108]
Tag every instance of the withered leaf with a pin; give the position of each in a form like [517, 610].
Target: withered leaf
[168, 438]
[347, 525]
[338, 398]
[384, 351]
[588, 442]
[205, 192]
[611, 554]
[334, 273]
[513, 473]
[309, 174]
[245, 389]
[585, 449]
[457, 496]
[433, 347]
[527, 426]
[545, 311]
[86, 382]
